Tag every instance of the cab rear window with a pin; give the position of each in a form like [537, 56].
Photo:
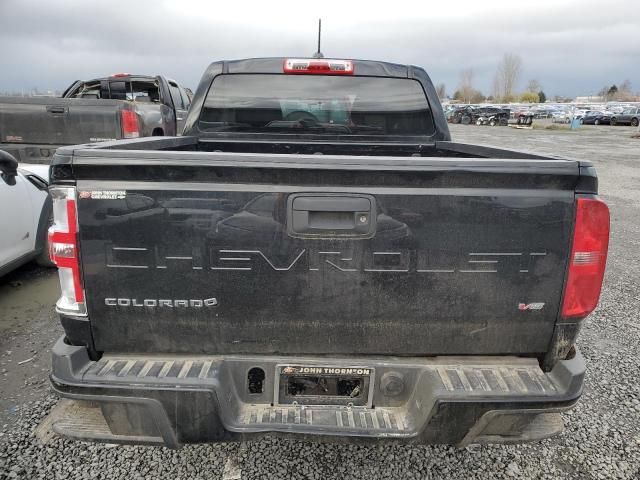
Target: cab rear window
[320, 104]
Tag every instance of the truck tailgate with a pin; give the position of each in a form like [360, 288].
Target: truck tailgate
[58, 121]
[292, 254]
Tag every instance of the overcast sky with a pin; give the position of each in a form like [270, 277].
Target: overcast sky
[572, 47]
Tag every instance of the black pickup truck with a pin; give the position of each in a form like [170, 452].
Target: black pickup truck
[120, 106]
[316, 256]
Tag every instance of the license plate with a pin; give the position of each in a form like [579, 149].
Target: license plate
[324, 385]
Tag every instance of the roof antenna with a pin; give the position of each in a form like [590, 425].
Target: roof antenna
[319, 54]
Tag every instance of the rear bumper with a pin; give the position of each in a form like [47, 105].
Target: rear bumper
[172, 400]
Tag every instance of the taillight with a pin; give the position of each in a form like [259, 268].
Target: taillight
[323, 66]
[63, 250]
[588, 258]
[130, 127]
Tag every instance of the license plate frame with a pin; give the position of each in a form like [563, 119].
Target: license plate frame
[361, 376]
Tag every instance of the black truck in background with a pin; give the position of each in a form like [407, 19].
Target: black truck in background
[316, 256]
[111, 108]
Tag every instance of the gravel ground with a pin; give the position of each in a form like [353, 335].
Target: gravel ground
[602, 437]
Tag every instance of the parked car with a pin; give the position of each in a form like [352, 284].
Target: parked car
[480, 115]
[616, 108]
[596, 118]
[541, 112]
[561, 117]
[462, 114]
[25, 213]
[332, 265]
[492, 116]
[579, 113]
[565, 116]
[119, 106]
[629, 116]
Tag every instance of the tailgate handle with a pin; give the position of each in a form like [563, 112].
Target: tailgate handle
[331, 215]
[55, 109]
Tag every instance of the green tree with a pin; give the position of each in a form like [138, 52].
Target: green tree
[542, 97]
[529, 97]
[613, 90]
[471, 96]
[477, 96]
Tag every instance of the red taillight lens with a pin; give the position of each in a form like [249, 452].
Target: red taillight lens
[130, 127]
[322, 66]
[63, 250]
[588, 258]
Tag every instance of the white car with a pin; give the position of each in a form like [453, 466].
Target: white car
[561, 117]
[25, 213]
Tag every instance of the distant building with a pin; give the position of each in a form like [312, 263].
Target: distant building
[589, 99]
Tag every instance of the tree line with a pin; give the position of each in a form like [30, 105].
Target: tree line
[505, 81]
[622, 93]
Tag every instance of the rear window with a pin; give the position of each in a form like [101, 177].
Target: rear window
[87, 90]
[144, 92]
[136, 90]
[308, 104]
